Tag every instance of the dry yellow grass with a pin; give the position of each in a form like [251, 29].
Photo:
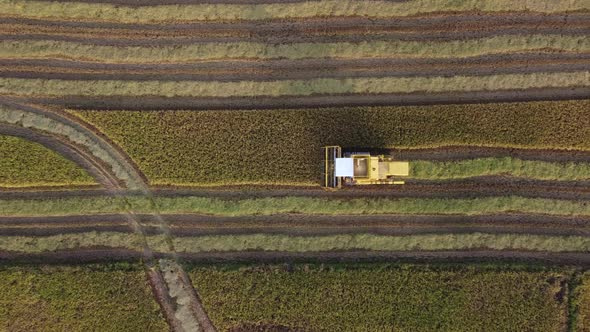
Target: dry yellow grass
[43, 87]
[252, 50]
[207, 12]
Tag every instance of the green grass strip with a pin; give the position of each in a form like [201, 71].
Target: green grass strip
[531, 169]
[36, 244]
[269, 242]
[28, 164]
[288, 243]
[205, 12]
[241, 50]
[298, 205]
[42, 87]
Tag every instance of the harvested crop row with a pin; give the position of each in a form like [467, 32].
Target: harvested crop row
[208, 12]
[27, 164]
[38, 87]
[286, 243]
[288, 205]
[284, 146]
[431, 170]
[368, 297]
[306, 225]
[251, 50]
[296, 69]
[69, 242]
[442, 25]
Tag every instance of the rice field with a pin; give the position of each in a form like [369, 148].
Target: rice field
[164, 131]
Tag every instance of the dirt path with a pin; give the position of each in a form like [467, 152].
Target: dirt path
[467, 256]
[226, 71]
[146, 103]
[472, 187]
[311, 27]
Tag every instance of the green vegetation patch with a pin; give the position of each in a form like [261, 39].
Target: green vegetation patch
[204, 12]
[252, 50]
[565, 171]
[37, 244]
[382, 297]
[55, 88]
[291, 205]
[28, 164]
[83, 298]
[285, 146]
[430, 242]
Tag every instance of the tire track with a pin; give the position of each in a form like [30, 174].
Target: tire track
[467, 256]
[190, 225]
[147, 103]
[105, 255]
[227, 71]
[302, 37]
[481, 21]
[485, 186]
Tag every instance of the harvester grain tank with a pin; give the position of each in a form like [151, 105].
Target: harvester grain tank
[361, 168]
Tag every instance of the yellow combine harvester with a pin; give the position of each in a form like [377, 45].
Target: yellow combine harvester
[361, 168]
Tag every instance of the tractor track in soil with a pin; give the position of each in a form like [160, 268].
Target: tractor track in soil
[486, 186]
[147, 103]
[227, 71]
[95, 255]
[313, 26]
[361, 35]
[190, 225]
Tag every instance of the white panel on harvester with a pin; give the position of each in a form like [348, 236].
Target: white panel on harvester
[343, 167]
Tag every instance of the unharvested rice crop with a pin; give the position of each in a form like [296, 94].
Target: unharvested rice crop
[109, 297]
[380, 297]
[28, 164]
[285, 146]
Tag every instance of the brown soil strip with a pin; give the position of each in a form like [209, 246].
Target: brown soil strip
[470, 152]
[102, 255]
[56, 230]
[142, 3]
[297, 69]
[302, 225]
[360, 34]
[471, 256]
[64, 148]
[488, 186]
[308, 27]
[82, 255]
[146, 103]
[161, 293]
[311, 225]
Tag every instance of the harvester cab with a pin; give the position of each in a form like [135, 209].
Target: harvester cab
[361, 168]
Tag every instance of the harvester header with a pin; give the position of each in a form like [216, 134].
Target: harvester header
[361, 168]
